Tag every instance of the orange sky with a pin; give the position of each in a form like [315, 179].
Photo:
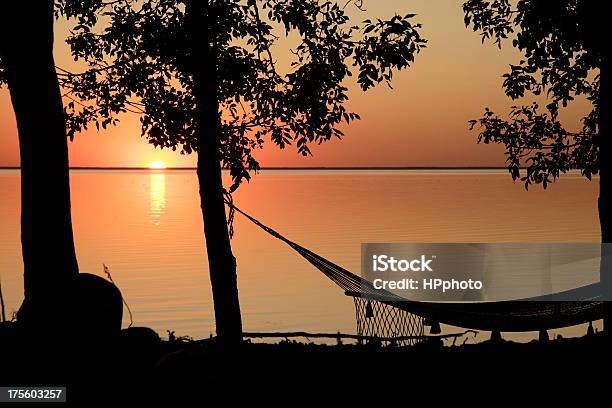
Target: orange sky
[421, 122]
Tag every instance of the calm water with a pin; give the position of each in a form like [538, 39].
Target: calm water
[146, 226]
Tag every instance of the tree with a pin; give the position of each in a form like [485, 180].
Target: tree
[28, 68]
[563, 42]
[203, 78]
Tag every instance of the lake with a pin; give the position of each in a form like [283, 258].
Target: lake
[146, 226]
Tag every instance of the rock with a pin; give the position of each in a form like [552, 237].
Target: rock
[139, 348]
[99, 307]
[139, 337]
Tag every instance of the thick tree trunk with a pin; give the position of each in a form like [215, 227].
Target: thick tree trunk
[46, 229]
[605, 189]
[221, 261]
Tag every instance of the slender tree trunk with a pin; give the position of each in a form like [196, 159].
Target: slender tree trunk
[221, 261]
[46, 229]
[605, 189]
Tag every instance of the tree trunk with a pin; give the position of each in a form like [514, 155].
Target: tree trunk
[46, 228]
[221, 261]
[605, 189]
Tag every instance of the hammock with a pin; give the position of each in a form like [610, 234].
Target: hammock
[531, 314]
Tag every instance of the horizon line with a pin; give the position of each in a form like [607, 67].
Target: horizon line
[288, 168]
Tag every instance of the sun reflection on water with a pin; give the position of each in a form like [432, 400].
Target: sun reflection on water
[157, 199]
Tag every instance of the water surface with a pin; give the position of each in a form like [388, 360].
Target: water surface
[147, 227]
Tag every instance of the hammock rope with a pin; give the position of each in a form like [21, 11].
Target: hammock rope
[512, 316]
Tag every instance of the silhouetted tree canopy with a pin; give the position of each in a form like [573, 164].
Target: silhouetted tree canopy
[203, 77]
[562, 56]
[138, 60]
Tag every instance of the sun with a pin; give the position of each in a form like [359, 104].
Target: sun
[157, 165]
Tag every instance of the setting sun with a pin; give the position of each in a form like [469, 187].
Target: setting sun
[157, 165]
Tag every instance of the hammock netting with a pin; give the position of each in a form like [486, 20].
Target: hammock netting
[394, 316]
[383, 321]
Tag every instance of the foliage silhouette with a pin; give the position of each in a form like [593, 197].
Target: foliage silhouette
[562, 57]
[203, 78]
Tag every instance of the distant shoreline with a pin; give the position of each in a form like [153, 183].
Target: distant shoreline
[318, 168]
